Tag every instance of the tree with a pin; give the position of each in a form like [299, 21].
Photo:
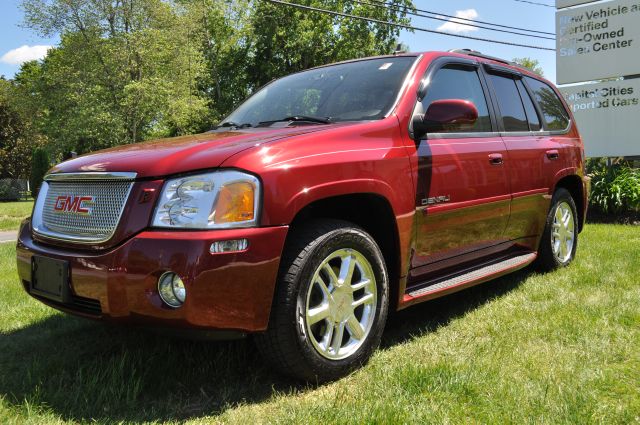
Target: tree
[227, 43]
[125, 71]
[288, 40]
[18, 137]
[40, 164]
[12, 129]
[130, 70]
[251, 42]
[531, 64]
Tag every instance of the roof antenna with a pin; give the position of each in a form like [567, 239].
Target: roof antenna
[401, 48]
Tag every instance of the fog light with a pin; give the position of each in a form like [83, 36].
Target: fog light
[229, 246]
[171, 289]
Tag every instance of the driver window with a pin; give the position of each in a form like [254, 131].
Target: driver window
[456, 82]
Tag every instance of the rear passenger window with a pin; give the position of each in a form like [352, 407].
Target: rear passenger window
[530, 109]
[459, 83]
[554, 114]
[513, 115]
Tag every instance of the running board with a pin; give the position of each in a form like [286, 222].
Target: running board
[470, 278]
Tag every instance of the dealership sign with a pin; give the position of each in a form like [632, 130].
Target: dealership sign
[607, 115]
[598, 41]
[568, 3]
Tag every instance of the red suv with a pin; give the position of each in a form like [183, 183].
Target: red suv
[327, 199]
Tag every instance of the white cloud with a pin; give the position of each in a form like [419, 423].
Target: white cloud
[24, 53]
[457, 26]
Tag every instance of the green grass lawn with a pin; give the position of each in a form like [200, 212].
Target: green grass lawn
[532, 348]
[12, 213]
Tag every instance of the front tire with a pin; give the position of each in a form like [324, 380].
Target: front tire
[331, 303]
[560, 238]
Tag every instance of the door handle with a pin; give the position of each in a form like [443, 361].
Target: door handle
[495, 159]
[553, 154]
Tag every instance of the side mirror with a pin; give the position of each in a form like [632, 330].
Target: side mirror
[446, 114]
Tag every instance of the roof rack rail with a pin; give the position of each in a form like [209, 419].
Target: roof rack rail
[482, 55]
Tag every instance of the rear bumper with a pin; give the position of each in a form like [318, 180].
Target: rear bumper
[586, 189]
[230, 291]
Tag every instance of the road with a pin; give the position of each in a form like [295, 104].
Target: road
[7, 237]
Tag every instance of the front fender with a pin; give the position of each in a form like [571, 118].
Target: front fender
[331, 189]
[367, 157]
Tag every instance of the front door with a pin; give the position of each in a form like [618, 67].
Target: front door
[463, 195]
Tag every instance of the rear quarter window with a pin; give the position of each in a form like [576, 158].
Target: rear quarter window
[554, 114]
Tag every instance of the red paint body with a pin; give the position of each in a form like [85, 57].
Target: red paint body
[498, 188]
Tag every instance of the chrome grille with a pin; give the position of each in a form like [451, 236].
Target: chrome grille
[60, 214]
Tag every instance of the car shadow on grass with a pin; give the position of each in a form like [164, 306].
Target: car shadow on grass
[431, 315]
[81, 370]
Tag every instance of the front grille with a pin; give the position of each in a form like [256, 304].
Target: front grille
[85, 305]
[108, 199]
[77, 304]
[81, 207]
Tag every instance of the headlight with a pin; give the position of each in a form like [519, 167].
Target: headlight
[221, 199]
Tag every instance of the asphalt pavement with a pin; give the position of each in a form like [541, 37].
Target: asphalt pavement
[7, 237]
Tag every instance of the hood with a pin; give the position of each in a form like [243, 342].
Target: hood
[180, 154]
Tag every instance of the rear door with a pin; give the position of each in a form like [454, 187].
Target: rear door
[463, 197]
[534, 157]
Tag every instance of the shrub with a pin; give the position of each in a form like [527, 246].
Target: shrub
[9, 190]
[40, 164]
[615, 189]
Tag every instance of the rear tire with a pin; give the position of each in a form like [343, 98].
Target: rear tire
[560, 238]
[330, 305]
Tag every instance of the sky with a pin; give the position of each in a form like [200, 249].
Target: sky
[505, 12]
[18, 44]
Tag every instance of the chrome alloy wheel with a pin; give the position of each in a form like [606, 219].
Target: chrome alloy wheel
[341, 304]
[563, 232]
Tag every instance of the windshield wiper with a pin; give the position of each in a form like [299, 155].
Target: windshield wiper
[300, 118]
[232, 124]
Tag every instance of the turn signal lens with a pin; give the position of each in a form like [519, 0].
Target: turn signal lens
[235, 203]
[236, 245]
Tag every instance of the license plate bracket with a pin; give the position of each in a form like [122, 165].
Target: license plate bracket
[50, 278]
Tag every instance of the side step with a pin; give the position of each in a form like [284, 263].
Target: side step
[473, 277]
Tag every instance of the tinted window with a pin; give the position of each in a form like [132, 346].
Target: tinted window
[530, 109]
[511, 108]
[460, 83]
[353, 91]
[554, 114]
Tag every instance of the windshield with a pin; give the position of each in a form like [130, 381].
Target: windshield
[354, 91]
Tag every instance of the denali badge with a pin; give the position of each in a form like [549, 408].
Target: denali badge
[74, 204]
[436, 200]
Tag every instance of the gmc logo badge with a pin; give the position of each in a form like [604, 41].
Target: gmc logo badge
[74, 204]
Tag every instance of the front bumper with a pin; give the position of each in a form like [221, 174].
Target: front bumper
[230, 291]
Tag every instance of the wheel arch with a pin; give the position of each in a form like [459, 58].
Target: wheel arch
[573, 184]
[370, 211]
